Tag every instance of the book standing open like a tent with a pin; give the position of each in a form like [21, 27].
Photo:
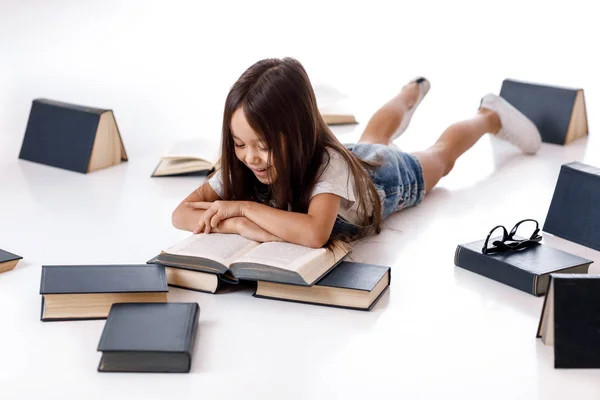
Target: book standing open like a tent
[72, 137]
[570, 320]
[235, 257]
[559, 113]
[8, 260]
[189, 157]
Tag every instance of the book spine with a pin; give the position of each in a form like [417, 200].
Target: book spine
[494, 269]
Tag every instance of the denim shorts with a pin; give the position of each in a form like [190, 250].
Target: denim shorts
[399, 181]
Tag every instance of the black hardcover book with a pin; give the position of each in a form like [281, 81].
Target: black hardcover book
[570, 320]
[349, 285]
[8, 260]
[574, 213]
[190, 278]
[72, 137]
[149, 337]
[74, 292]
[558, 112]
[528, 269]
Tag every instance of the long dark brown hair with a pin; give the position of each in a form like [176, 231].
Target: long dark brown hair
[279, 103]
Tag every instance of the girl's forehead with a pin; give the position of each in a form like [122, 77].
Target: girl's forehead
[241, 129]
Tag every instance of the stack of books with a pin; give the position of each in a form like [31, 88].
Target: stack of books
[283, 271]
[144, 332]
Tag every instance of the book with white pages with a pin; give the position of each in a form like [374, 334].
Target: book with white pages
[234, 257]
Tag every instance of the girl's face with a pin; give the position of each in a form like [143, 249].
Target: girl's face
[250, 150]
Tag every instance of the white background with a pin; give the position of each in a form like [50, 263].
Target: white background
[165, 69]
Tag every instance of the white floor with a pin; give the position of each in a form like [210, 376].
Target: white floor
[439, 332]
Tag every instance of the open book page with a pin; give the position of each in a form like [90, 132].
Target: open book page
[335, 107]
[221, 247]
[202, 149]
[186, 165]
[286, 256]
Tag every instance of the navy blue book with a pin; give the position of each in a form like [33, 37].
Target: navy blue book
[528, 269]
[574, 212]
[149, 337]
[72, 137]
[349, 285]
[77, 292]
[8, 260]
[559, 113]
[570, 320]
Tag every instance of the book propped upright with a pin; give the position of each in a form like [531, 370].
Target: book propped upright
[349, 285]
[559, 113]
[72, 137]
[149, 337]
[574, 212]
[235, 257]
[570, 320]
[528, 269]
[8, 260]
[189, 157]
[76, 292]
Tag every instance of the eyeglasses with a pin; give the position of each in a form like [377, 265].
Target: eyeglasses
[508, 241]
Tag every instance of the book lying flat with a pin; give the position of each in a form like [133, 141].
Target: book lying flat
[190, 278]
[570, 320]
[149, 337]
[76, 292]
[189, 157]
[8, 260]
[349, 285]
[235, 257]
[528, 269]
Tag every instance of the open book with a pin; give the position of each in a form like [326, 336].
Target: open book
[187, 157]
[236, 257]
[335, 107]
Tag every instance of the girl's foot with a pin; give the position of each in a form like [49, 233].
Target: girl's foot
[515, 128]
[416, 91]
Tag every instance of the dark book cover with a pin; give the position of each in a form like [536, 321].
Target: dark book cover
[149, 337]
[576, 321]
[548, 107]
[6, 256]
[60, 134]
[349, 275]
[353, 275]
[130, 278]
[527, 269]
[574, 212]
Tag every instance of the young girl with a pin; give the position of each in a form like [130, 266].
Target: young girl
[284, 176]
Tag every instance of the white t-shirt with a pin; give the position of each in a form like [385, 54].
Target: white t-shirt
[337, 179]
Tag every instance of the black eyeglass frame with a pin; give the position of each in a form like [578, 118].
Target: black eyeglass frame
[508, 242]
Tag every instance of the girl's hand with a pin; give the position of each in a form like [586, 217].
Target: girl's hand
[216, 212]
